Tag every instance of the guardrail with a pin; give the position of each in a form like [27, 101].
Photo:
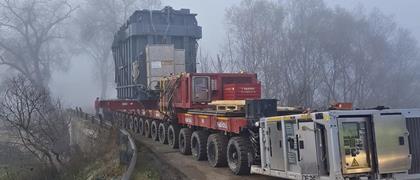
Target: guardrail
[78, 112]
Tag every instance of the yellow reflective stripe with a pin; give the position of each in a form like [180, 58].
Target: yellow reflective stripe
[279, 118]
[222, 118]
[305, 116]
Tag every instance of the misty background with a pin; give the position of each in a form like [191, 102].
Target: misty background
[78, 87]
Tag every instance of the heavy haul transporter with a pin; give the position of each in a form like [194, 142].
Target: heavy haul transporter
[220, 117]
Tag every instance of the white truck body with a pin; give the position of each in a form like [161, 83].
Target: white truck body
[352, 144]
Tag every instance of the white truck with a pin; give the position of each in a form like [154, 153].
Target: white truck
[341, 144]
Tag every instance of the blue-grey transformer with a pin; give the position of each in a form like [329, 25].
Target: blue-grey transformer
[146, 27]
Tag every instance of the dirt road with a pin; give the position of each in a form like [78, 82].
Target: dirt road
[191, 169]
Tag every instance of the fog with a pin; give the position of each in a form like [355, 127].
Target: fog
[77, 86]
[55, 55]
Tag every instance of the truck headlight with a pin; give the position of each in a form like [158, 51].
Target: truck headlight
[257, 124]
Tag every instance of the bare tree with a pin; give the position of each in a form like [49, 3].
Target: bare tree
[309, 54]
[37, 122]
[254, 29]
[98, 20]
[220, 64]
[30, 32]
[204, 60]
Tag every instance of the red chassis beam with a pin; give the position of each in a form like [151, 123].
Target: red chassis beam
[129, 106]
[148, 109]
[227, 124]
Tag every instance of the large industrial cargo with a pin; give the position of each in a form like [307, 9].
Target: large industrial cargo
[163, 60]
[177, 28]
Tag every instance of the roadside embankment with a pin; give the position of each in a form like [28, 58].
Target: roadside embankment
[95, 151]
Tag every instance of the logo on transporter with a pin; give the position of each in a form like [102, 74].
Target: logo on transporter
[188, 120]
[222, 125]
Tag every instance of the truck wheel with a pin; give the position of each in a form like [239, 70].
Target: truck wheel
[173, 133]
[199, 145]
[154, 131]
[238, 155]
[131, 122]
[216, 150]
[185, 141]
[123, 121]
[141, 126]
[119, 120]
[127, 122]
[163, 129]
[147, 127]
[136, 124]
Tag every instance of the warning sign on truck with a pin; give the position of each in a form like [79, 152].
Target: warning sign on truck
[354, 163]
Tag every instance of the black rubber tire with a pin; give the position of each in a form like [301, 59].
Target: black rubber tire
[131, 117]
[173, 133]
[132, 123]
[199, 145]
[141, 126]
[185, 141]
[163, 133]
[154, 131]
[216, 150]
[136, 124]
[119, 120]
[123, 121]
[147, 126]
[127, 122]
[239, 151]
[116, 119]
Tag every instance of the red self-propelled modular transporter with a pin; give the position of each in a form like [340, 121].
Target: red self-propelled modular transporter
[208, 115]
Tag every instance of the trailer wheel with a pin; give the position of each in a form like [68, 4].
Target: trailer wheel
[136, 124]
[173, 133]
[216, 150]
[238, 155]
[126, 120]
[163, 130]
[185, 141]
[120, 120]
[131, 122]
[154, 131]
[141, 126]
[199, 145]
[147, 128]
[131, 117]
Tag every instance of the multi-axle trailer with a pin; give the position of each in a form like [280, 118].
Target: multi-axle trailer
[220, 117]
[253, 135]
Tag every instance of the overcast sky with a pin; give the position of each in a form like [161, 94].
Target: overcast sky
[76, 86]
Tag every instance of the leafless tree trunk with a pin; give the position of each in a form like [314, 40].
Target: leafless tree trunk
[98, 20]
[204, 61]
[30, 32]
[38, 123]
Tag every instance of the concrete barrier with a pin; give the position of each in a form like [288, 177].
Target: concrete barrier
[128, 173]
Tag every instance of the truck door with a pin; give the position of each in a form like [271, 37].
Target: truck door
[308, 161]
[355, 147]
[276, 145]
[391, 136]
